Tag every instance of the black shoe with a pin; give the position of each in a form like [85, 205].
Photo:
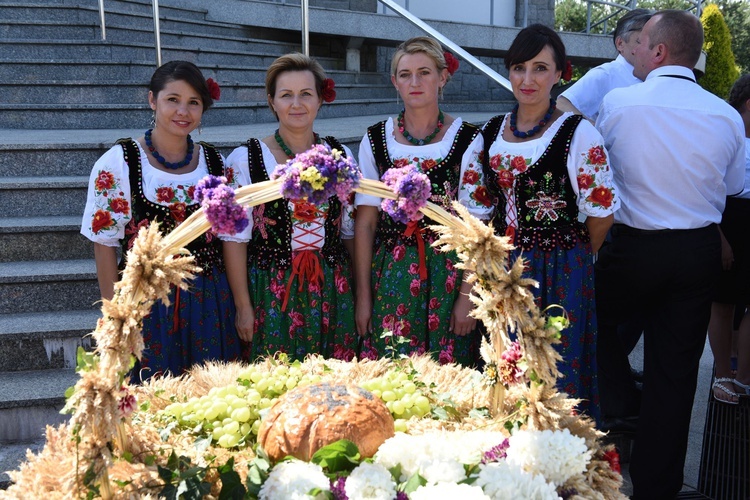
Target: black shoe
[620, 425]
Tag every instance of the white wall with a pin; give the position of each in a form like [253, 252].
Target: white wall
[466, 11]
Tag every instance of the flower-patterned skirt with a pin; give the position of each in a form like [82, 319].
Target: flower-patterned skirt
[417, 311]
[566, 278]
[313, 316]
[198, 326]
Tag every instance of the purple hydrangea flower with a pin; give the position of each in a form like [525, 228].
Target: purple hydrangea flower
[496, 453]
[222, 211]
[333, 174]
[338, 486]
[413, 189]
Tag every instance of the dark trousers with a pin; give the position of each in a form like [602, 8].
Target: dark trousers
[668, 278]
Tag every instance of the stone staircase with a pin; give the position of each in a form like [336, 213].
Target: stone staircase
[61, 91]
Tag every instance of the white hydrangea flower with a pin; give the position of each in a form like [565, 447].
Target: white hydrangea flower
[448, 491]
[293, 481]
[370, 480]
[442, 471]
[556, 455]
[415, 452]
[502, 481]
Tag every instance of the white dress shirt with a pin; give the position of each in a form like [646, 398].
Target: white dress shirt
[676, 150]
[588, 92]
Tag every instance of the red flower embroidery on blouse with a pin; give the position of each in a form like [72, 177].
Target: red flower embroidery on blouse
[229, 174]
[602, 196]
[482, 196]
[546, 206]
[597, 156]
[105, 180]
[519, 163]
[119, 205]
[505, 179]
[471, 177]
[178, 211]
[102, 220]
[428, 164]
[164, 194]
[260, 220]
[495, 162]
[585, 181]
[191, 192]
[401, 162]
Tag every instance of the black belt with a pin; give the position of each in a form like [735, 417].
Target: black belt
[633, 231]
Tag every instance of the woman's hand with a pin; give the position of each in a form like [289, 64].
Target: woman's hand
[364, 235]
[363, 315]
[461, 323]
[244, 321]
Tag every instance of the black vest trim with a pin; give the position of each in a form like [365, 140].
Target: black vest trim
[207, 247]
[491, 130]
[443, 176]
[271, 240]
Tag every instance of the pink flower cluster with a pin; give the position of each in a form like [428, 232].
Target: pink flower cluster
[413, 190]
[127, 403]
[334, 174]
[217, 199]
[509, 370]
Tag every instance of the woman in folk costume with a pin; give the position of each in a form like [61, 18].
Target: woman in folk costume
[404, 286]
[292, 281]
[549, 168]
[154, 178]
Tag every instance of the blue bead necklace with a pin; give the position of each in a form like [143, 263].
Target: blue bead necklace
[537, 128]
[159, 158]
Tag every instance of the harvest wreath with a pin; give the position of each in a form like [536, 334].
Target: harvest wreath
[392, 428]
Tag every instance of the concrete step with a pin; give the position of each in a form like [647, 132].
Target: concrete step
[49, 285]
[136, 92]
[51, 9]
[31, 400]
[12, 455]
[39, 70]
[103, 116]
[36, 196]
[75, 50]
[43, 238]
[44, 340]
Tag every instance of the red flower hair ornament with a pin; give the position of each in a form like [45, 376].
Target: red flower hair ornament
[451, 63]
[213, 89]
[329, 94]
[568, 73]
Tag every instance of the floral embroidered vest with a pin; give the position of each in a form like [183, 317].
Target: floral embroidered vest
[207, 247]
[546, 203]
[271, 240]
[443, 175]
[490, 131]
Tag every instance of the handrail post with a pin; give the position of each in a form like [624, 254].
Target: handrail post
[304, 4]
[101, 20]
[157, 36]
[525, 13]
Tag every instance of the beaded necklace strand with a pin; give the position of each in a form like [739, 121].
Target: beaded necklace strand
[285, 148]
[159, 158]
[426, 140]
[537, 128]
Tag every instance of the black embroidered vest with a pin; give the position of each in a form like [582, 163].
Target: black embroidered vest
[490, 132]
[545, 201]
[271, 240]
[207, 247]
[443, 175]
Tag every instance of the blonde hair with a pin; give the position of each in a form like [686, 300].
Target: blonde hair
[425, 45]
[293, 62]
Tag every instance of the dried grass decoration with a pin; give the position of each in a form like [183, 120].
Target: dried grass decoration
[192, 435]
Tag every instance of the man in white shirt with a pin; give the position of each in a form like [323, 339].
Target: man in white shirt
[585, 96]
[676, 151]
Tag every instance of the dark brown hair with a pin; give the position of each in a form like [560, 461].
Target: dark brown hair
[530, 41]
[183, 71]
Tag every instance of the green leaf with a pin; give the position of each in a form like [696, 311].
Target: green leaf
[413, 483]
[341, 456]
[145, 405]
[396, 473]
[149, 460]
[173, 462]
[128, 457]
[479, 413]
[202, 444]
[165, 474]
[231, 486]
[439, 413]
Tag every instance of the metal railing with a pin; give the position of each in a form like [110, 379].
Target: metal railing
[696, 6]
[494, 75]
[157, 33]
[101, 20]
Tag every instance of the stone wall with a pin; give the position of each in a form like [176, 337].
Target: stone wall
[540, 11]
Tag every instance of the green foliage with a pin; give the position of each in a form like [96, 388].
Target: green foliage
[721, 70]
[737, 16]
[338, 457]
